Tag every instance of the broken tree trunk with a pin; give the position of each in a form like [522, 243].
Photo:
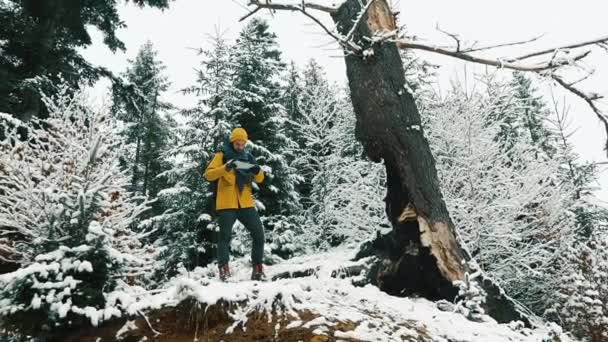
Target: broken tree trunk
[422, 254]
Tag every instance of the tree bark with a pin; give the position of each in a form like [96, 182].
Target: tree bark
[422, 254]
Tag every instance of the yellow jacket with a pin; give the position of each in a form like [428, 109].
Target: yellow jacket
[228, 195]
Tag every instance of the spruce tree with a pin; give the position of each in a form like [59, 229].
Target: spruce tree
[581, 176]
[513, 215]
[581, 297]
[532, 112]
[40, 43]
[138, 103]
[291, 100]
[256, 106]
[68, 215]
[186, 230]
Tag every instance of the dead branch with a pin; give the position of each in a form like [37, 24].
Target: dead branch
[552, 64]
[589, 74]
[599, 41]
[451, 35]
[589, 98]
[298, 5]
[499, 63]
[490, 47]
[301, 7]
[250, 13]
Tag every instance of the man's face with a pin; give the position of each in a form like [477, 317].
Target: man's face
[239, 145]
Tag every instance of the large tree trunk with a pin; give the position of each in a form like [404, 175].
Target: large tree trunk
[422, 253]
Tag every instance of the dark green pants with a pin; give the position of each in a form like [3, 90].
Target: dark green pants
[250, 218]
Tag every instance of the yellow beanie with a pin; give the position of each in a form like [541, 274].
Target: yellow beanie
[239, 134]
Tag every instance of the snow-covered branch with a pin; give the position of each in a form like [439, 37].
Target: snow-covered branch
[496, 62]
[559, 56]
[591, 100]
[302, 6]
[599, 41]
[299, 5]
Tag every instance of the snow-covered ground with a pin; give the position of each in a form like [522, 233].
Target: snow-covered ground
[374, 315]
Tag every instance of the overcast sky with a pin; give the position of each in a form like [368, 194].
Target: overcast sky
[188, 23]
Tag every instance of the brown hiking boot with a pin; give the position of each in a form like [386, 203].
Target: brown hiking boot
[224, 272]
[258, 272]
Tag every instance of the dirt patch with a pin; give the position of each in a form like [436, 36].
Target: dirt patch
[191, 321]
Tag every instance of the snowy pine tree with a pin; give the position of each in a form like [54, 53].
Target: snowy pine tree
[256, 104]
[581, 303]
[68, 217]
[514, 217]
[291, 100]
[341, 190]
[531, 112]
[582, 176]
[186, 231]
[137, 102]
[257, 107]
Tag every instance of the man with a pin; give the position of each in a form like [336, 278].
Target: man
[234, 169]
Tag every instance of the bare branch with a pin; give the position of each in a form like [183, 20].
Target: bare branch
[323, 6]
[589, 74]
[301, 7]
[250, 13]
[502, 45]
[404, 44]
[347, 44]
[599, 41]
[560, 56]
[589, 98]
[452, 35]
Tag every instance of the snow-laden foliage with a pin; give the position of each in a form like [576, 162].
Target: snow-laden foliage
[137, 103]
[515, 217]
[67, 219]
[581, 303]
[237, 86]
[185, 230]
[347, 191]
[471, 298]
[255, 104]
[341, 191]
[331, 307]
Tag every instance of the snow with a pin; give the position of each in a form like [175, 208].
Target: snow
[36, 301]
[178, 190]
[376, 315]
[205, 218]
[85, 266]
[294, 324]
[129, 325]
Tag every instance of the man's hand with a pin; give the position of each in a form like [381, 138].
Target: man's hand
[255, 170]
[230, 165]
